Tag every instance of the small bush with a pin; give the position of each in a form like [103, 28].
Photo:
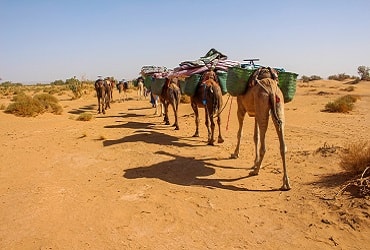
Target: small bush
[50, 103]
[343, 104]
[339, 77]
[75, 86]
[348, 89]
[311, 78]
[84, 117]
[25, 105]
[356, 157]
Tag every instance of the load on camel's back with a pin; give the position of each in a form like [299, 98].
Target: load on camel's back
[160, 82]
[205, 83]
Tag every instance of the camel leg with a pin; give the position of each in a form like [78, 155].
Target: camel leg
[99, 109]
[196, 114]
[280, 131]
[220, 139]
[175, 109]
[260, 128]
[209, 128]
[241, 114]
[166, 119]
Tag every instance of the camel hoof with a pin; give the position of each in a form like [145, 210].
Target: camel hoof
[285, 187]
[196, 135]
[220, 140]
[177, 128]
[167, 123]
[253, 173]
[211, 143]
[234, 156]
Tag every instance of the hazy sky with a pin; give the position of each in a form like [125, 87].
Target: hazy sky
[47, 40]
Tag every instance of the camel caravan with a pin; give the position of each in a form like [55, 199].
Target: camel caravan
[260, 91]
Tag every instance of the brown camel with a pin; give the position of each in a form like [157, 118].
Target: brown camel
[171, 95]
[111, 83]
[122, 87]
[103, 93]
[263, 95]
[208, 95]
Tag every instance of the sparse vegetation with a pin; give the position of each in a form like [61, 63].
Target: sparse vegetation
[28, 106]
[75, 86]
[84, 117]
[343, 104]
[364, 73]
[339, 77]
[348, 89]
[310, 78]
[356, 157]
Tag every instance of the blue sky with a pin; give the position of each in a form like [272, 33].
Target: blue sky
[43, 41]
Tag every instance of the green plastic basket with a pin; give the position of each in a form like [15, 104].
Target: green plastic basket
[148, 82]
[236, 81]
[182, 86]
[287, 84]
[191, 84]
[222, 78]
[157, 85]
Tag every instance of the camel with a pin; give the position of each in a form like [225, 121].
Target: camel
[111, 82]
[263, 95]
[122, 87]
[171, 95]
[157, 105]
[208, 95]
[103, 93]
[140, 88]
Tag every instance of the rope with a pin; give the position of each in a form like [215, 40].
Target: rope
[228, 117]
[219, 113]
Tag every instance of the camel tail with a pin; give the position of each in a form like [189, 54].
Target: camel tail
[273, 100]
[216, 101]
[175, 96]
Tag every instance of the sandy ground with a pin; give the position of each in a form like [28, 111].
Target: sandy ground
[124, 180]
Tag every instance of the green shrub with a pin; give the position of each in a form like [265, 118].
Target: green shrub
[75, 86]
[343, 104]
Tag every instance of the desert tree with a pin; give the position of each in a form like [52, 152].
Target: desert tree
[364, 72]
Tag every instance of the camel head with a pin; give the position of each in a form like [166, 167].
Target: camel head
[209, 75]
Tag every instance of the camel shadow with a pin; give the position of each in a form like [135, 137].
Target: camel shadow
[120, 115]
[183, 171]
[132, 125]
[84, 109]
[151, 137]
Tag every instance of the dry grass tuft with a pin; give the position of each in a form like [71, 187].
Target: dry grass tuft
[185, 99]
[84, 117]
[343, 104]
[356, 157]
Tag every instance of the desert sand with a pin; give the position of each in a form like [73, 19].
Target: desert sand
[124, 180]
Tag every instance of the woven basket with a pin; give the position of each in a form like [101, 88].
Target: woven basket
[237, 78]
[222, 78]
[157, 85]
[148, 82]
[182, 86]
[191, 84]
[287, 84]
